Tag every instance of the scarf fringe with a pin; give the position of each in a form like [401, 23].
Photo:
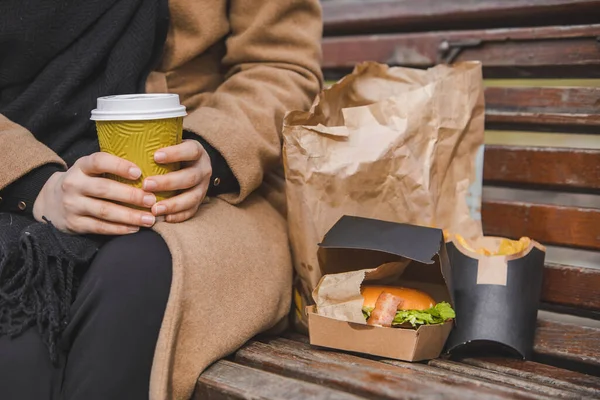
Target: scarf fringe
[37, 281]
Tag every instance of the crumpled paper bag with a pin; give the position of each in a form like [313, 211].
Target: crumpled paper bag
[396, 144]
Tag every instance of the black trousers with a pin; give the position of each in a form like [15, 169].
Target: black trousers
[116, 318]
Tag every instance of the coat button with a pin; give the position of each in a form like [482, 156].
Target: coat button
[217, 181]
[22, 205]
[0, 199]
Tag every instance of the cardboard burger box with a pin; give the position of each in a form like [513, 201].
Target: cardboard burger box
[497, 299]
[358, 250]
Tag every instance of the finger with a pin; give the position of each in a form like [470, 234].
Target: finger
[108, 189]
[114, 213]
[188, 200]
[185, 178]
[104, 163]
[188, 150]
[181, 217]
[90, 225]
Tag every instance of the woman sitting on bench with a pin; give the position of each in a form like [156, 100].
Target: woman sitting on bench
[99, 300]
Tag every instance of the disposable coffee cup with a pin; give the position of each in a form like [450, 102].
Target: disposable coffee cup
[135, 126]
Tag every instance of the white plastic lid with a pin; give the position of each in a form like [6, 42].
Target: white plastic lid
[132, 107]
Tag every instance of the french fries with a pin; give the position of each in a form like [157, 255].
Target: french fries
[507, 247]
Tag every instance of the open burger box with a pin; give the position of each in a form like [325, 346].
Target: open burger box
[357, 250]
[496, 298]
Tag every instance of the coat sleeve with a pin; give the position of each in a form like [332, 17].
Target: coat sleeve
[26, 166]
[272, 59]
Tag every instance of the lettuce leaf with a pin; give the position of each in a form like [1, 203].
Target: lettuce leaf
[437, 314]
[443, 311]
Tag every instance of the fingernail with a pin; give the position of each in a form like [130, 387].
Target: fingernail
[135, 172]
[149, 200]
[161, 209]
[159, 156]
[133, 229]
[149, 184]
[148, 220]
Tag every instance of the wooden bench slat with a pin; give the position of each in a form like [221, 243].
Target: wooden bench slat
[548, 224]
[567, 109]
[565, 101]
[342, 17]
[357, 375]
[567, 341]
[225, 380]
[526, 117]
[480, 373]
[557, 167]
[541, 373]
[511, 50]
[514, 391]
[541, 121]
[571, 286]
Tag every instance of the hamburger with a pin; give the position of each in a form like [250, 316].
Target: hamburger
[400, 306]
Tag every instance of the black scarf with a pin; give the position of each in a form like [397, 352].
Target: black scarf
[56, 58]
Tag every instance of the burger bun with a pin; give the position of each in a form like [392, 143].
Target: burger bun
[412, 299]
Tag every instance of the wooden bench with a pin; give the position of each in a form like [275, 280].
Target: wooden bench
[551, 194]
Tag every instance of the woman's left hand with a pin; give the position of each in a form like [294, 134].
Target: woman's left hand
[193, 179]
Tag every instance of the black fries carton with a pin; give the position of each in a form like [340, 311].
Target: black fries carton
[357, 251]
[496, 298]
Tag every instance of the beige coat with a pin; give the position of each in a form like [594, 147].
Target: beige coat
[238, 66]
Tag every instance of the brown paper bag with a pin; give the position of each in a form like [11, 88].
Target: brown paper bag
[396, 144]
[338, 295]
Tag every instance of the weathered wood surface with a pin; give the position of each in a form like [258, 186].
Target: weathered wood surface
[281, 368]
[560, 100]
[512, 391]
[514, 51]
[566, 341]
[480, 373]
[571, 286]
[225, 380]
[344, 17]
[564, 108]
[545, 374]
[562, 168]
[548, 224]
[361, 376]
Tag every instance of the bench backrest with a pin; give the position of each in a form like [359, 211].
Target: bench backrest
[549, 193]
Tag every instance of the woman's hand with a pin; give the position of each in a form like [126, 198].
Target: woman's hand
[193, 178]
[80, 199]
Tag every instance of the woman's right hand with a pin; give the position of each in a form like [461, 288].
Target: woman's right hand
[80, 200]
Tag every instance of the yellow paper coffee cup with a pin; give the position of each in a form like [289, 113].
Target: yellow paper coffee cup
[134, 127]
